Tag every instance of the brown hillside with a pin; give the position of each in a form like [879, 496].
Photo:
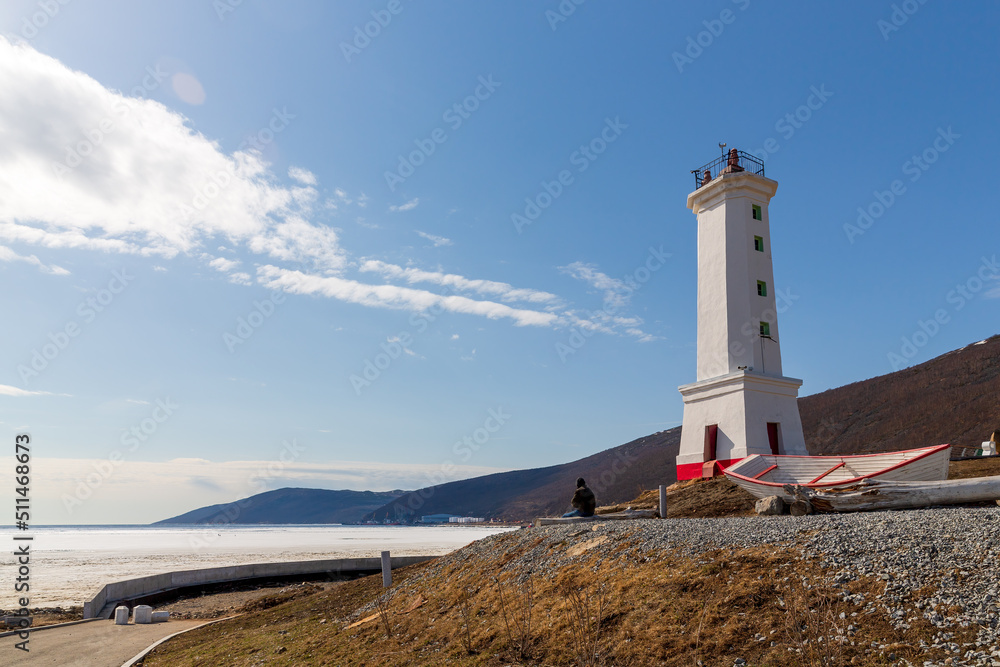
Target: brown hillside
[954, 398]
[616, 475]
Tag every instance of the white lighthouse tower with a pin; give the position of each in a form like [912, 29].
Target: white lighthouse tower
[741, 403]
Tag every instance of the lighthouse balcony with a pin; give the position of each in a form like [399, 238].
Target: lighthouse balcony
[732, 162]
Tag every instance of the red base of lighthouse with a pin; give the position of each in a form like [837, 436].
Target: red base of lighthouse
[697, 470]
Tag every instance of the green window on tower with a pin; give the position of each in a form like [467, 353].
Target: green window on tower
[765, 329]
[756, 213]
[761, 288]
[758, 244]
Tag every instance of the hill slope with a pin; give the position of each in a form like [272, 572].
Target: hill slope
[291, 506]
[953, 398]
[615, 475]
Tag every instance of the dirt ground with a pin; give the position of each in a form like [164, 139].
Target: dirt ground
[241, 600]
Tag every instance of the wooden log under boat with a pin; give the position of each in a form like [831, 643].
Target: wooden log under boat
[884, 495]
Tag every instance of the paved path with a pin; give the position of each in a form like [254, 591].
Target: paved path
[94, 644]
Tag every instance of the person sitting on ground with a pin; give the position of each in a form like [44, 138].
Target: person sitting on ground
[583, 501]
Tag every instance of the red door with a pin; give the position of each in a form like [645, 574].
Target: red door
[772, 436]
[711, 436]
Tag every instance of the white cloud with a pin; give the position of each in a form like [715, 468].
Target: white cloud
[8, 255]
[392, 296]
[407, 350]
[408, 206]
[303, 176]
[438, 241]
[224, 265]
[616, 295]
[503, 291]
[7, 390]
[87, 167]
[615, 292]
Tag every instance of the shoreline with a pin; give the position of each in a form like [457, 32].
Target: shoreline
[71, 565]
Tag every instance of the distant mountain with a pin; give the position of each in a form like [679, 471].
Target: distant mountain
[954, 398]
[615, 475]
[291, 506]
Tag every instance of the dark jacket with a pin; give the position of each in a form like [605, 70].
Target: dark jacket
[585, 501]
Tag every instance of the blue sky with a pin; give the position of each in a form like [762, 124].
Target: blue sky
[218, 215]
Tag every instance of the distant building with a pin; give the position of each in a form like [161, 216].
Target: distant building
[438, 518]
[741, 403]
[466, 519]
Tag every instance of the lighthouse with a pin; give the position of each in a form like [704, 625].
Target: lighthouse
[741, 402]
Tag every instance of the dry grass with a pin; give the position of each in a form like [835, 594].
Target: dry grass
[671, 611]
[694, 498]
[974, 468]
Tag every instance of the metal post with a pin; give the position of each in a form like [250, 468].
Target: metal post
[663, 501]
[386, 570]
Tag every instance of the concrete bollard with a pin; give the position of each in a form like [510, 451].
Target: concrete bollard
[663, 501]
[386, 570]
[160, 616]
[121, 615]
[143, 613]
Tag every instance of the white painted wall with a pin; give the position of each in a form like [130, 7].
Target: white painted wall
[740, 400]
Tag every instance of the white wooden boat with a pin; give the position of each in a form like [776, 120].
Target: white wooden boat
[765, 475]
[871, 494]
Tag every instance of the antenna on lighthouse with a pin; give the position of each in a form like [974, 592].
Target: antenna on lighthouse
[722, 147]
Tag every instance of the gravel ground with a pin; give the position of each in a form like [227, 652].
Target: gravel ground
[942, 564]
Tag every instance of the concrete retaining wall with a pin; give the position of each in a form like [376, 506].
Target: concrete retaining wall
[159, 583]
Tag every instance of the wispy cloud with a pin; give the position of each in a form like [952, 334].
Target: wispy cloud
[438, 241]
[392, 296]
[8, 255]
[503, 291]
[303, 176]
[616, 295]
[614, 291]
[7, 390]
[408, 206]
[224, 265]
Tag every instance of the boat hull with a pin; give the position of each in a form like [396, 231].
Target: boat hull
[764, 476]
[870, 495]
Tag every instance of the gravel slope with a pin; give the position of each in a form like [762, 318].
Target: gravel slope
[942, 564]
